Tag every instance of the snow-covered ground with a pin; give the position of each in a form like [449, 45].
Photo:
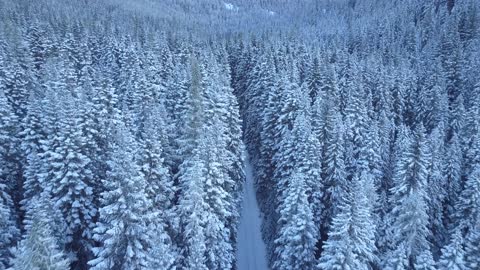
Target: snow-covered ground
[251, 253]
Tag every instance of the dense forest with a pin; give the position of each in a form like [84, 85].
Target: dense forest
[123, 128]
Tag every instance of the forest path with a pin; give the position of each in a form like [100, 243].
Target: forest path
[251, 254]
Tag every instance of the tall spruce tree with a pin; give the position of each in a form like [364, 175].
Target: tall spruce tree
[123, 232]
[350, 243]
[295, 245]
[193, 212]
[409, 213]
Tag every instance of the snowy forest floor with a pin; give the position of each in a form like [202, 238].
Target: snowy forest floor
[251, 253]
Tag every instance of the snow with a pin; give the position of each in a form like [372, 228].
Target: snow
[230, 6]
[251, 253]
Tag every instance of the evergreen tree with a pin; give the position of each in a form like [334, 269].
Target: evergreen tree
[39, 248]
[217, 185]
[262, 80]
[436, 189]
[472, 249]
[397, 259]
[66, 176]
[453, 173]
[467, 210]
[192, 112]
[9, 139]
[162, 252]
[123, 226]
[160, 187]
[295, 245]
[409, 213]
[457, 115]
[313, 80]
[334, 171]
[451, 59]
[350, 243]
[453, 255]
[8, 228]
[356, 119]
[10, 176]
[425, 261]
[193, 212]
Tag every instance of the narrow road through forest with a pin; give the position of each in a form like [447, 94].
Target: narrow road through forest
[251, 253]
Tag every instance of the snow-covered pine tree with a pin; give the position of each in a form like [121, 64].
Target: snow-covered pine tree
[334, 170]
[313, 79]
[234, 162]
[159, 189]
[363, 221]
[467, 210]
[350, 243]
[66, 174]
[19, 81]
[162, 252]
[453, 174]
[453, 171]
[425, 261]
[9, 232]
[39, 46]
[160, 186]
[219, 186]
[436, 189]
[295, 245]
[409, 213]
[90, 116]
[39, 248]
[168, 84]
[261, 80]
[457, 115]
[337, 250]
[387, 159]
[398, 90]
[356, 122]
[472, 248]
[471, 131]
[191, 113]
[299, 149]
[9, 139]
[451, 55]
[397, 259]
[123, 232]
[192, 210]
[453, 255]
[262, 103]
[220, 253]
[10, 175]
[179, 104]
[223, 103]
[311, 167]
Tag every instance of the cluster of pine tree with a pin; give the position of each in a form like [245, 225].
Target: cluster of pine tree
[121, 133]
[366, 155]
[116, 153]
